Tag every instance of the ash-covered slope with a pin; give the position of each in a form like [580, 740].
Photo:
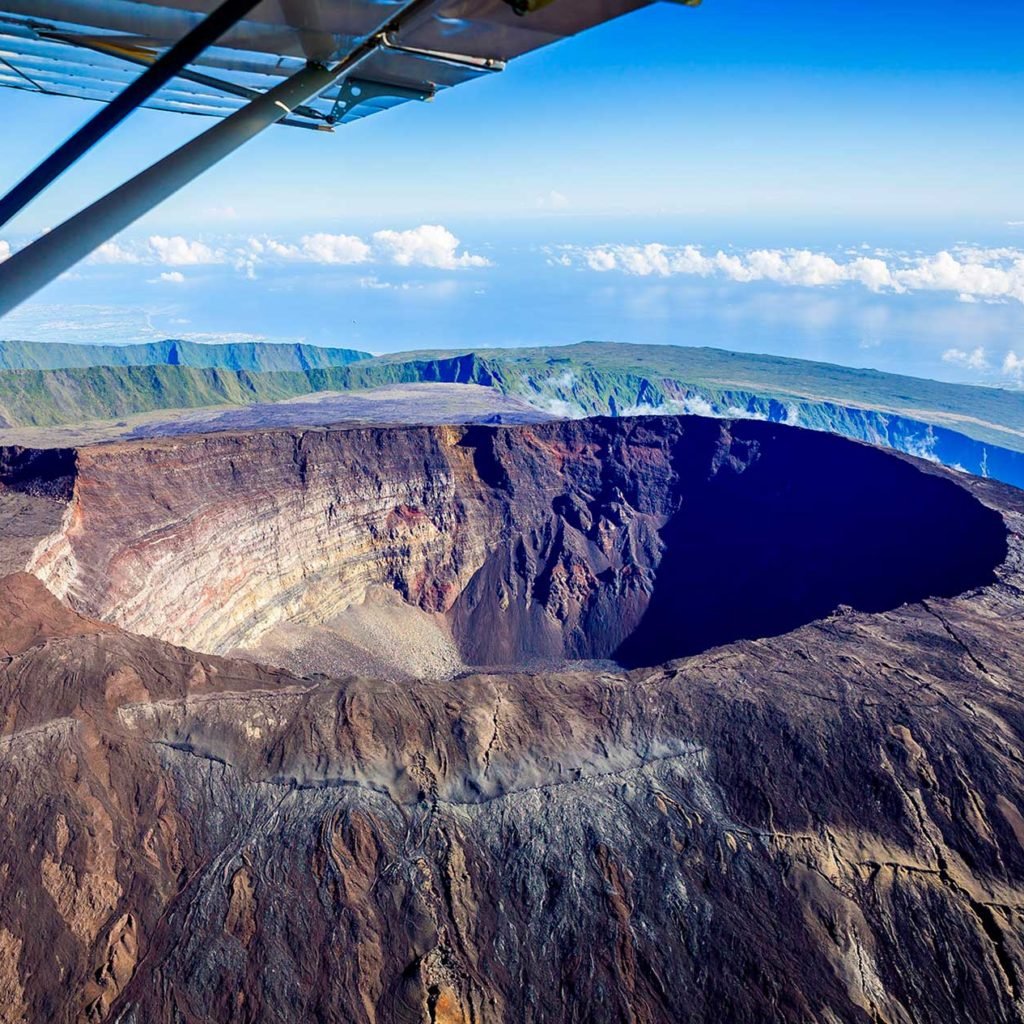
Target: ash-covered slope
[824, 826]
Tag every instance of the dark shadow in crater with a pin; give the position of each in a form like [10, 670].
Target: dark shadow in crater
[43, 472]
[812, 523]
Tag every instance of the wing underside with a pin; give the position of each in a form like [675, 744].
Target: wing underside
[92, 49]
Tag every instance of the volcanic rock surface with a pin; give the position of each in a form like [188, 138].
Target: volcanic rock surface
[733, 729]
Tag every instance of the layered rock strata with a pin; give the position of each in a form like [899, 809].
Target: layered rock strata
[639, 540]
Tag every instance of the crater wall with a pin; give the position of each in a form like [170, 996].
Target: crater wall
[633, 539]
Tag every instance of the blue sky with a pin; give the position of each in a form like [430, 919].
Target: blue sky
[751, 131]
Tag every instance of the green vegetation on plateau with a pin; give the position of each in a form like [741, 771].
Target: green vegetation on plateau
[603, 377]
[958, 424]
[45, 398]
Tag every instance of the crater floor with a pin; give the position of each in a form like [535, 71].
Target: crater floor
[796, 797]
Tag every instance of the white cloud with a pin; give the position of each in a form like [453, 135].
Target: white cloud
[665, 409]
[563, 381]
[874, 274]
[964, 275]
[343, 249]
[972, 273]
[600, 260]
[976, 359]
[689, 405]
[114, 252]
[5, 250]
[321, 247]
[801, 267]
[259, 249]
[562, 410]
[979, 254]
[554, 200]
[429, 245]
[177, 251]
[374, 283]
[1013, 365]
[170, 277]
[923, 447]
[692, 405]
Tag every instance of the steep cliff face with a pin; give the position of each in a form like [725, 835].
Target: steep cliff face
[566, 389]
[212, 541]
[639, 540]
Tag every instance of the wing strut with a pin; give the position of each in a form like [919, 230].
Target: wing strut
[33, 267]
[157, 75]
[58, 250]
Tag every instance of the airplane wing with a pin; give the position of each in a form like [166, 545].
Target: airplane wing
[252, 64]
[92, 49]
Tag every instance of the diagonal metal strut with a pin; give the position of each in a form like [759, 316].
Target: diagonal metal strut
[33, 267]
[150, 81]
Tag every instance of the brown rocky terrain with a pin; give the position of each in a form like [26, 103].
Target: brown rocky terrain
[735, 732]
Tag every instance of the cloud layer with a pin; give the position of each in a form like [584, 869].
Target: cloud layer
[973, 274]
[429, 245]
[978, 360]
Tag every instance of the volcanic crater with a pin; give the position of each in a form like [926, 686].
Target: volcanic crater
[424, 551]
[632, 720]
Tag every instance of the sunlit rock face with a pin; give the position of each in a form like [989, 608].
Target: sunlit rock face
[821, 823]
[212, 541]
[634, 540]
